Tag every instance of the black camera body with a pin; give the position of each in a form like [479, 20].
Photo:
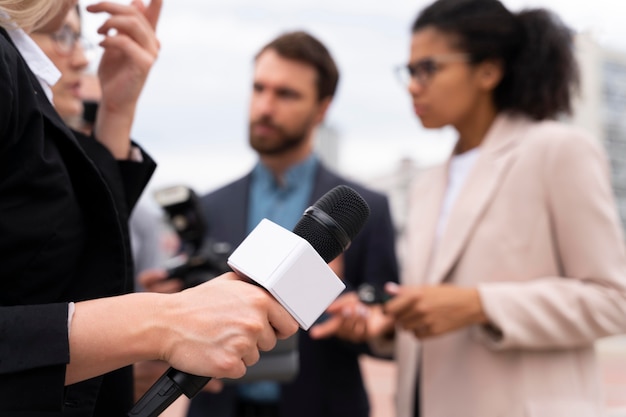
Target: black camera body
[201, 259]
[208, 262]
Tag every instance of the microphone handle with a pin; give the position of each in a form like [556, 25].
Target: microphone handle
[166, 390]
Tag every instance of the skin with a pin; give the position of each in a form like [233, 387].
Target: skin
[459, 95]
[211, 340]
[67, 91]
[284, 111]
[130, 50]
[283, 114]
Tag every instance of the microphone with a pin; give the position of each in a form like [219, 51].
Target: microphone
[295, 272]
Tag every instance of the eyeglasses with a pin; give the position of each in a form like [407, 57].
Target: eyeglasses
[424, 70]
[66, 40]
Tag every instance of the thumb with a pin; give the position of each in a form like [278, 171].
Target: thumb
[392, 288]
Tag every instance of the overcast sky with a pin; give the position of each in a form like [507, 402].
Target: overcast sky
[193, 113]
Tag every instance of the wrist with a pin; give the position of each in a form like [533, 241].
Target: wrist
[113, 128]
[152, 335]
[163, 325]
[478, 315]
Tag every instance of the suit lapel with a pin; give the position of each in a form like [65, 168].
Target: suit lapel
[477, 192]
[324, 181]
[238, 210]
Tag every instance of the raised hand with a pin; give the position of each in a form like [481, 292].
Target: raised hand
[130, 50]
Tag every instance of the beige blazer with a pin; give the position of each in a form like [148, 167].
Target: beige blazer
[536, 230]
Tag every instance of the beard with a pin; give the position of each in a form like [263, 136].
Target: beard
[279, 141]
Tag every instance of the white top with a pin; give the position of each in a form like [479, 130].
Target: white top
[458, 170]
[37, 61]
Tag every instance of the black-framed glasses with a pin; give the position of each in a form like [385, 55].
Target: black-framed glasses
[424, 70]
[66, 40]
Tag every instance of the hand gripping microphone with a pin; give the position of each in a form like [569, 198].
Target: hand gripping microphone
[293, 270]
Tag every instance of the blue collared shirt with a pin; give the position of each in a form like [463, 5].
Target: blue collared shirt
[283, 202]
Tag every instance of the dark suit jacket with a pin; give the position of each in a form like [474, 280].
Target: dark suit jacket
[329, 382]
[64, 206]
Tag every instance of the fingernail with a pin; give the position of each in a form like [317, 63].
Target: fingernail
[392, 288]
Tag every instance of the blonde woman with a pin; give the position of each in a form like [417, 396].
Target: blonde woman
[65, 266]
[66, 49]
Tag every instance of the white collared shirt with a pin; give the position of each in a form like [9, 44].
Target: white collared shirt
[37, 61]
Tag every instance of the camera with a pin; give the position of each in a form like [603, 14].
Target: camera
[203, 259]
[200, 259]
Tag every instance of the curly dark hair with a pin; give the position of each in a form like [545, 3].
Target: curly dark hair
[541, 74]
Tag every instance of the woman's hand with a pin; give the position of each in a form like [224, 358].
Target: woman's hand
[130, 49]
[435, 310]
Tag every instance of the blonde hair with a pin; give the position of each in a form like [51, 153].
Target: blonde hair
[28, 14]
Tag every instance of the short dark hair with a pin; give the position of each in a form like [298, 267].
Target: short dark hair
[540, 70]
[301, 46]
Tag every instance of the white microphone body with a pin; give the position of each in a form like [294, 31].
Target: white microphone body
[292, 266]
[290, 269]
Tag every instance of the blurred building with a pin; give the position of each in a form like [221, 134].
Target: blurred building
[396, 185]
[327, 145]
[601, 108]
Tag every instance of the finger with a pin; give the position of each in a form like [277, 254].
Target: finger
[134, 28]
[251, 357]
[113, 8]
[236, 371]
[168, 287]
[153, 12]
[136, 11]
[360, 331]
[410, 314]
[150, 276]
[326, 329]
[142, 59]
[214, 386]
[422, 332]
[267, 338]
[338, 306]
[335, 308]
[353, 325]
[281, 320]
[412, 323]
[401, 303]
[392, 288]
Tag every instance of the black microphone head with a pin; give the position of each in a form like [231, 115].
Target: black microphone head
[333, 221]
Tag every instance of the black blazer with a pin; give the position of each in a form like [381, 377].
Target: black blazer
[329, 382]
[64, 207]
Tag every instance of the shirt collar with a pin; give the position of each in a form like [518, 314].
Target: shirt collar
[37, 61]
[294, 176]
